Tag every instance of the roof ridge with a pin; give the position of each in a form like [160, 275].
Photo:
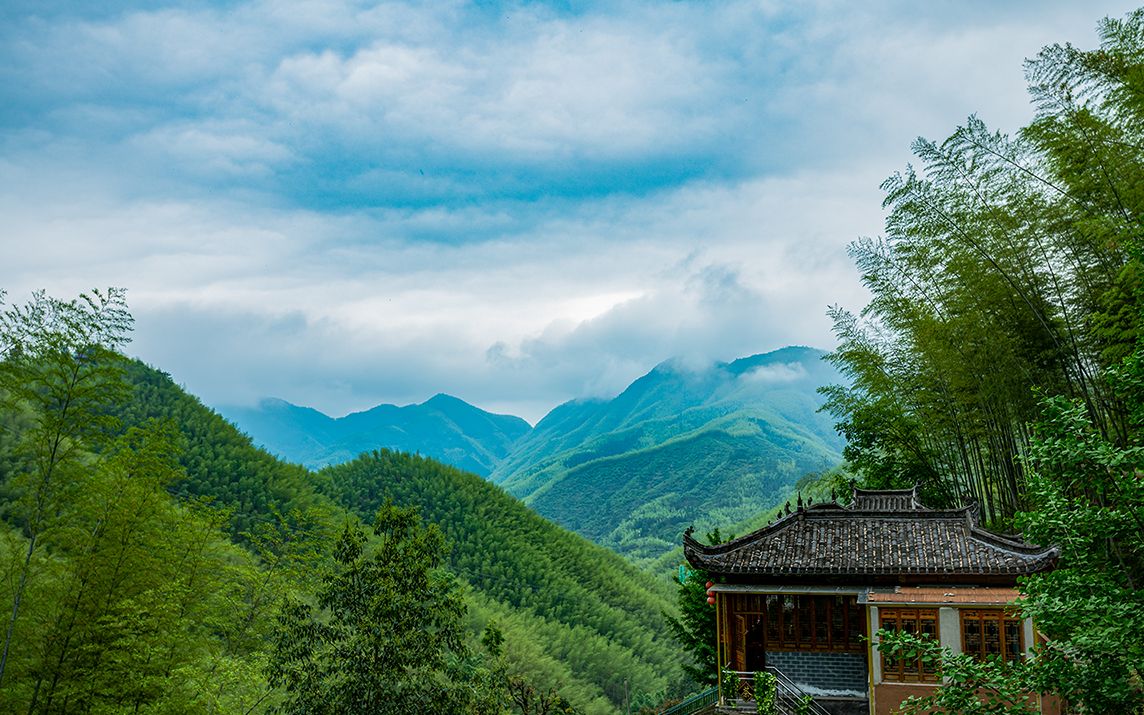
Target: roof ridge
[1015, 547]
[732, 544]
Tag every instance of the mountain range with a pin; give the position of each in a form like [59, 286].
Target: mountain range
[702, 445]
[682, 445]
[443, 427]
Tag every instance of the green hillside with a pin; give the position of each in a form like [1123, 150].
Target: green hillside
[443, 427]
[603, 615]
[680, 446]
[220, 462]
[575, 615]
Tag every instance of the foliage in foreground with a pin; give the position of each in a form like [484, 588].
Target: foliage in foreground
[387, 633]
[146, 549]
[1001, 360]
[122, 599]
[1010, 265]
[694, 629]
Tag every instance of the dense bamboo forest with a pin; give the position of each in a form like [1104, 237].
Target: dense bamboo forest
[1009, 270]
[1000, 361]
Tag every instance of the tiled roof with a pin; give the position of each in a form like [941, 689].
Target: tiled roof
[886, 499]
[880, 533]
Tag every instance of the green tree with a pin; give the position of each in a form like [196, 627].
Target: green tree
[58, 365]
[694, 629]
[386, 635]
[527, 699]
[1088, 498]
[970, 686]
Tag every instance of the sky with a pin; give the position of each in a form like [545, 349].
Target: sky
[344, 203]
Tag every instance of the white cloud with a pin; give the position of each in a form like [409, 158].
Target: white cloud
[242, 303]
[344, 203]
[542, 88]
[224, 150]
[771, 374]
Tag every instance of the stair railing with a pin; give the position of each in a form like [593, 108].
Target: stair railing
[789, 698]
[694, 703]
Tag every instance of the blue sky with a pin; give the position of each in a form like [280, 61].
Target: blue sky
[347, 203]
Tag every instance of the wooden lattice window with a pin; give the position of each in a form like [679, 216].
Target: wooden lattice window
[814, 623]
[795, 622]
[992, 633]
[917, 621]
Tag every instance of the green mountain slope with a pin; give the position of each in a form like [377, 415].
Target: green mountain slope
[680, 446]
[575, 615]
[221, 463]
[443, 427]
[608, 614]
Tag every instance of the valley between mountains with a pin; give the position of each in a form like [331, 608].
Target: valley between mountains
[683, 445]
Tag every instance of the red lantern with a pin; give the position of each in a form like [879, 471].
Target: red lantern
[710, 584]
[711, 600]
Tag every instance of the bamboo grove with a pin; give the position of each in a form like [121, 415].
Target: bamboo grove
[1009, 270]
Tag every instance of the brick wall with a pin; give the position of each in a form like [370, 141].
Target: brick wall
[823, 671]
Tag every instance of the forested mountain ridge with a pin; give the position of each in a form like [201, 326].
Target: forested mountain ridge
[528, 574]
[682, 445]
[222, 531]
[443, 427]
[219, 462]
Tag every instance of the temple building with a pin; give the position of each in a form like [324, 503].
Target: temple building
[801, 597]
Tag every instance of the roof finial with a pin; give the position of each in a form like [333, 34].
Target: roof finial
[800, 499]
[833, 496]
[788, 507]
[689, 531]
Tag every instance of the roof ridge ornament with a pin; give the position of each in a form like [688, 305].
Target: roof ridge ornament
[973, 512]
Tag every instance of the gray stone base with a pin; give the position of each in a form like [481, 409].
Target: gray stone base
[845, 706]
[824, 674]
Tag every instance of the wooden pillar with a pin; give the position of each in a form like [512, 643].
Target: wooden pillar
[719, 619]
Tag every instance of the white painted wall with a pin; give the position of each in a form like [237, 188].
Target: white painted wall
[875, 657]
[949, 628]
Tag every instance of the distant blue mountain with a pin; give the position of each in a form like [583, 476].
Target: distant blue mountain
[443, 427]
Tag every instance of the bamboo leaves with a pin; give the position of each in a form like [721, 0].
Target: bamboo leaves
[1007, 265]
